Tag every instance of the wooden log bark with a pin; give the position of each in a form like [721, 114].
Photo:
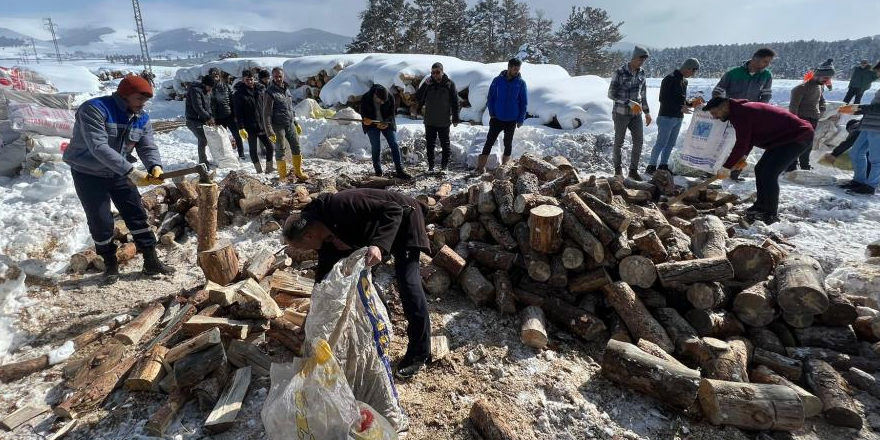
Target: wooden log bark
[491, 422]
[527, 183]
[498, 232]
[461, 215]
[791, 369]
[638, 271]
[693, 271]
[533, 331]
[751, 263]
[450, 261]
[838, 360]
[687, 343]
[540, 167]
[588, 218]
[798, 321]
[537, 264]
[732, 363]
[751, 406]
[194, 368]
[709, 237]
[654, 350]
[165, 415]
[756, 305]
[244, 354]
[762, 374]
[505, 199]
[573, 255]
[837, 404]
[580, 235]
[627, 365]
[635, 315]
[841, 339]
[476, 286]
[20, 416]
[558, 272]
[651, 298]
[472, 231]
[863, 381]
[706, 296]
[577, 321]
[220, 263]
[616, 218]
[867, 328]
[545, 228]
[485, 198]
[97, 390]
[841, 310]
[146, 374]
[717, 324]
[505, 300]
[207, 221]
[229, 327]
[223, 416]
[526, 202]
[82, 261]
[591, 281]
[193, 345]
[800, 284]
[649, 245]
[135, 330]
[764, 338]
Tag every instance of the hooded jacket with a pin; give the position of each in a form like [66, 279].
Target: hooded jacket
[738, 83]
[248, 105]
[388, 109]
[862, 77]
[440, 101]
[221, 101]
[508, 98]
[278, 105]
[104, 132]
[673, 95]
[198, 104]
[764, 126]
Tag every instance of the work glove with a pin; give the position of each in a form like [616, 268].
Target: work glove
[368, 121]
[740, 165]
[299, 130]
[140, 177]
[635, 107]
[697, 101]
[723, 174]
[243, 133]
[847, 110]
[273, 138]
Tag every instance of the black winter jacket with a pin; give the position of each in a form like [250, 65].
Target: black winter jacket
[248, 104]
[388, 109]
[673, 95]
[440, 100]
[278, 108]
[221, 101]
[198, 104]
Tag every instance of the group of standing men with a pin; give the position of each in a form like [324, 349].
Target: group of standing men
[260, 109]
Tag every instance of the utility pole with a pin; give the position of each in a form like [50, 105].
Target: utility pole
[142, 36]
[34, 46]
[52, 27]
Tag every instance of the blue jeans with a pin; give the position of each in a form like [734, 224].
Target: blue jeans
[391, 137]
[866, 148]
[667, 135]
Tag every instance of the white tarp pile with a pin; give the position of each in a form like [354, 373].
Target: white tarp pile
[17, 78]
[34, 129]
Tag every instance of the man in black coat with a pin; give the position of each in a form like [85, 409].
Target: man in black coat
[673, 106]
[378, 112]
[439, 97]
[388, 224]
[248, 103]
[221, 103]
[199, 113]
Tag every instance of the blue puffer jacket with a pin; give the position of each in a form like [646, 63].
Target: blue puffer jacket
[104, 132]
[508, 99]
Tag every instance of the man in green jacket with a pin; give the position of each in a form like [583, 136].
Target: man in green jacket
[862, 77]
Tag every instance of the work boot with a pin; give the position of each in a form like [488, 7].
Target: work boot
[282, 170]
[481, 165]
[862, 190]
[409, 367]
[270, 166]
[297, 160]
[111, 270]
[505, 160]
[618, 171]
[849, 185]
[402, 174]
[650, 169]
[257, 167]
[152, 265]
[665, 167]
[634, 175]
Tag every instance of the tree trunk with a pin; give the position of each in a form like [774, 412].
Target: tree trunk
[504, 198]
[132, 333]
[841, 339]
[447, 259]
[477, 287]
[751, 263]
[588, 218]
[533, 331]
[709, 237]
[635, 315]
[649, 245]
[800, 286]
[543, 169]
[591, 281]
[207, 220]
[638, 271]
[837, 405]
[706, 296]
[719, 324]
[545, 227]
[580, 235]
[220, 263]
[755, 407]
[499, 232]
[755, 306]
[693, 271]
[812, 404]
[260, 265]
[146, 375]
[537, 264]
[732, 363]
[627, 365]
[505, 300]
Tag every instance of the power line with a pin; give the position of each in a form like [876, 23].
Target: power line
[142, 36]
[34, 46]
[52, 27]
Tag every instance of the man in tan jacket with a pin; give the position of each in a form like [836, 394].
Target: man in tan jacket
[808, 103]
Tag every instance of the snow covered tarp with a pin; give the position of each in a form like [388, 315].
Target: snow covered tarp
[234, 66]
[303, 68]
[68, 78]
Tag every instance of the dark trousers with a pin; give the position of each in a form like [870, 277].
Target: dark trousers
[853, 92]
[229, 123]
[431, 135]
[255, 136]
[95, 194]
[767, 171]
[412, 295]
[375, 135]
[804, 159]
[198, 130]
[496, 126]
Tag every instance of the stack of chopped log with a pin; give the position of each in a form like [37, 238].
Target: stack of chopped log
[198, 348]
[695, 316]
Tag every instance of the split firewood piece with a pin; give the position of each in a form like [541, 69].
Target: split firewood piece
[812, 404]
[635, 315]
[82, 261]
[230, 402]
[165, 415]
[545, 228]
[147, 373]
[638, 271]
[229, 327]
[800, 286]
[174, 325]
[493, 422]
[260, 265]
[20, 416]
[756, 305]
[443, 190]
[250, 299]
[194, 368]
[709, 238]
[96, 391]
[751, 406]
[292, 285]
[627, 365]
[192, 345]
[135, 330]
[243, 354]
[837, 403]
[534, 330]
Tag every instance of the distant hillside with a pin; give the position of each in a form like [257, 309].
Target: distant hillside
[305, 41]
[10, 38]
[82, 36]
[186, 40]
[795, 57]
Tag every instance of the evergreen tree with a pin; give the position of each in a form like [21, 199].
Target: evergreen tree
[452, 32]
[584, 41]
[513, 27]
[540, 40]
[484, 32]
[383, 27]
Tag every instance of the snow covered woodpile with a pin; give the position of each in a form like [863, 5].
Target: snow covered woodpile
[556, 98]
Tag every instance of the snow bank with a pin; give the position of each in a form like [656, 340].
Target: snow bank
[234, 66]
[575, 102]
[305, 67]
[68, 78]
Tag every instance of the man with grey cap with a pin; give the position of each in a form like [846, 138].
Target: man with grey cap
[628, 90]
[808, 103]
[673, 106]
[860, 81]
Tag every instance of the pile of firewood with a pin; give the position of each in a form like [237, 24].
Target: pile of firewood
[201, 347]
[695, 316]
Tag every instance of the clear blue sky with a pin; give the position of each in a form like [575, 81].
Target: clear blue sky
[658, 23]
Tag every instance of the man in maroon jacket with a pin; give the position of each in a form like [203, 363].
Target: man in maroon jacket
[783, 135]
[388, 224]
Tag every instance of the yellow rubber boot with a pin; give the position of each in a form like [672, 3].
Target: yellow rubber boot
[282, 169]
[297, 168]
